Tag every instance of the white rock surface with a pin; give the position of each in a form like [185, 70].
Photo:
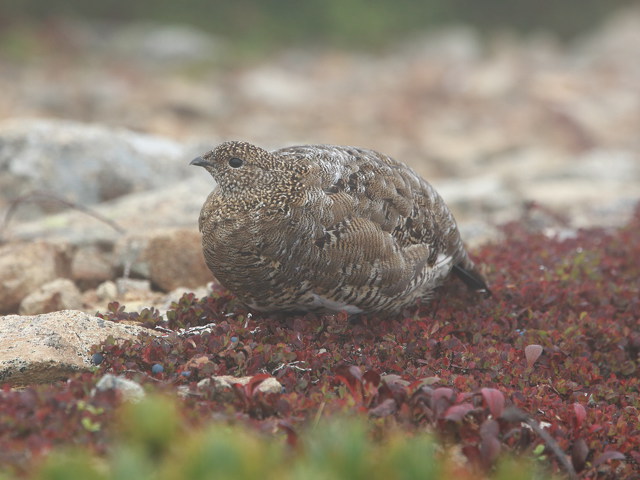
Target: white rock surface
[49, 347]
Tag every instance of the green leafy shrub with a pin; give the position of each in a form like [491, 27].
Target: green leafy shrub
[149, 444]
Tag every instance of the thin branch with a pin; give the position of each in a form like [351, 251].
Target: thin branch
[40, 196]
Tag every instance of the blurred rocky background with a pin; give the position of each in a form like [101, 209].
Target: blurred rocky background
[507, 108]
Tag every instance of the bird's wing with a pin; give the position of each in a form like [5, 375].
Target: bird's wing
[349, 182]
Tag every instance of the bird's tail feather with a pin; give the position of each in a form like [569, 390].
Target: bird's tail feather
[472, 279]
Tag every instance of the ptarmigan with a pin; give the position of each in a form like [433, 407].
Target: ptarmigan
[326, 228]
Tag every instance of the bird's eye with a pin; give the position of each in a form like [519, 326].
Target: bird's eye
[235, 162]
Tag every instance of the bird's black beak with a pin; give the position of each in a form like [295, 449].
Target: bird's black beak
[199, 162]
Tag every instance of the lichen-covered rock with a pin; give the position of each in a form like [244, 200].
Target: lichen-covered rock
[24, 267]
[59, 294]
[49, 347]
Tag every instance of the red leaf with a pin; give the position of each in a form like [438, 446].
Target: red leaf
[473, 454]
[494, 400]
[443, 393]
[371, 377]
[532, 353]
[350, 373]
[580, 412]
[256, 380]
[351, 376]
[441, 399]
[606, 456]
[457, 412]
[579, 453]
[489, 450]
[489, 428]
[386, 408]
[292, 435]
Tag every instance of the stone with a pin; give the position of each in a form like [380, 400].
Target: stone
[133, 287]
[107, 291]
[129, 390]
[25, 267]
[91, 266]
[220, 387]
[49, 347]
[136, 294]
[168, 258]
[175, 260]
[59, 294]
[83, 163]
[175, 205]
[176, 294]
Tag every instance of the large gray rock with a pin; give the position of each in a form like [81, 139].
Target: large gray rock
[25, 267]
[49, 347]
[83, 163]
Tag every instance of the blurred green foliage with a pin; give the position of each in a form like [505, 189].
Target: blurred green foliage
[150, 442]
[259, 24]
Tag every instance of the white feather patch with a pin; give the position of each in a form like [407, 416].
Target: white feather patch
[320, 301]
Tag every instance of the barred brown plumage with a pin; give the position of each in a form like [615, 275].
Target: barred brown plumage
[324, 227]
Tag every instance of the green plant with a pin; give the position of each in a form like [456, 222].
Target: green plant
[150, 442]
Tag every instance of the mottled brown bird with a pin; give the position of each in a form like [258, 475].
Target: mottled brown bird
[326, 228]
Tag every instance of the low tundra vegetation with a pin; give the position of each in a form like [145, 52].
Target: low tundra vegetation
[540, 379]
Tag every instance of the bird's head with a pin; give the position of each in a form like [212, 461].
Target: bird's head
[236, 166]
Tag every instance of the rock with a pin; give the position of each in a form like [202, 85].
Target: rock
[169, 258]
[107, 291]
[131, 391]
[175, 295]
[136, 294]
[59, 294]
[24, 267]
[174, 206]
[50, 347]
[133, 288]
[175, 260]
[219, 387]
[82, 163]
[91, 266]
